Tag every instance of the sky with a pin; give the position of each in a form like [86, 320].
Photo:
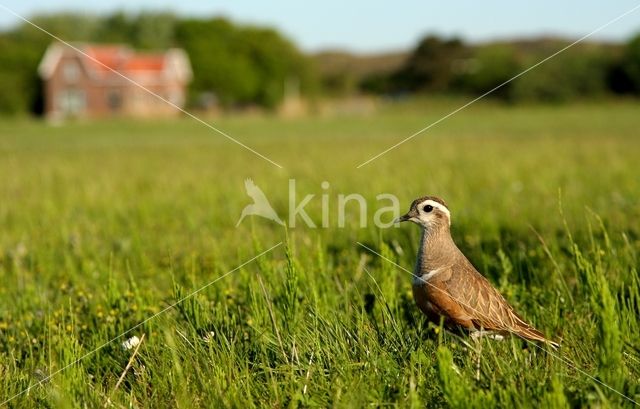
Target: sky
[376, 26]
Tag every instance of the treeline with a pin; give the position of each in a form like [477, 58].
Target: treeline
[584, 70]
[238, 65]
[232, 65]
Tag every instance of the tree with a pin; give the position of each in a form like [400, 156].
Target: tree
[153, 31]
[431, 65]
[219, 65]
[240, 65]
[624, 75]
[489, 67]
[574, 73]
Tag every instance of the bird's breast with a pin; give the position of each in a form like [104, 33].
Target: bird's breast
[421, 297]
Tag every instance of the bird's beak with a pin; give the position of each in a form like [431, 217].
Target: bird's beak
[402, 218]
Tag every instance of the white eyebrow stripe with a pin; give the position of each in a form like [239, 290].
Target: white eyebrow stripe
[438, 206]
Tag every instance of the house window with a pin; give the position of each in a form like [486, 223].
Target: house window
[72, 101]
[114, 100]
[71, 72]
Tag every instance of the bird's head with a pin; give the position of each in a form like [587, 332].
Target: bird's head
[429, 212]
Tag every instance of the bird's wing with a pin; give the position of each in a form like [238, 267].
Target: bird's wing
[444, 303]
[249, 185]
[487, 307]
[254, 191]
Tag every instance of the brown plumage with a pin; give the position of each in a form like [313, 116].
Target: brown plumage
[447, 285]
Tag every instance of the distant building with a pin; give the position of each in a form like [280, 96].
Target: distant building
[82, 84]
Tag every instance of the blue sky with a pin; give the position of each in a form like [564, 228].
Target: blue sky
[380, 25]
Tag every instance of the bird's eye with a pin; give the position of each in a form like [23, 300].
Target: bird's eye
[427, 208]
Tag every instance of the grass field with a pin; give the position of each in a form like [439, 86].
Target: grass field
[105, 224]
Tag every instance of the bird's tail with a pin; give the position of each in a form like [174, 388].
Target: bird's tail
[532, 334]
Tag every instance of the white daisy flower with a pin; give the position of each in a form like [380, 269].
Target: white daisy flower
[131, 343]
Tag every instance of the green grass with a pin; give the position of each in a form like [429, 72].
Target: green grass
[105, 224]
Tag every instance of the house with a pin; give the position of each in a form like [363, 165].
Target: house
[107, 80]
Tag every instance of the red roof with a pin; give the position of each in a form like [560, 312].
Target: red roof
[122, 59]
[145, 62]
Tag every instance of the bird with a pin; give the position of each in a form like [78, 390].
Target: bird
[446, 285]
[260, 205]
